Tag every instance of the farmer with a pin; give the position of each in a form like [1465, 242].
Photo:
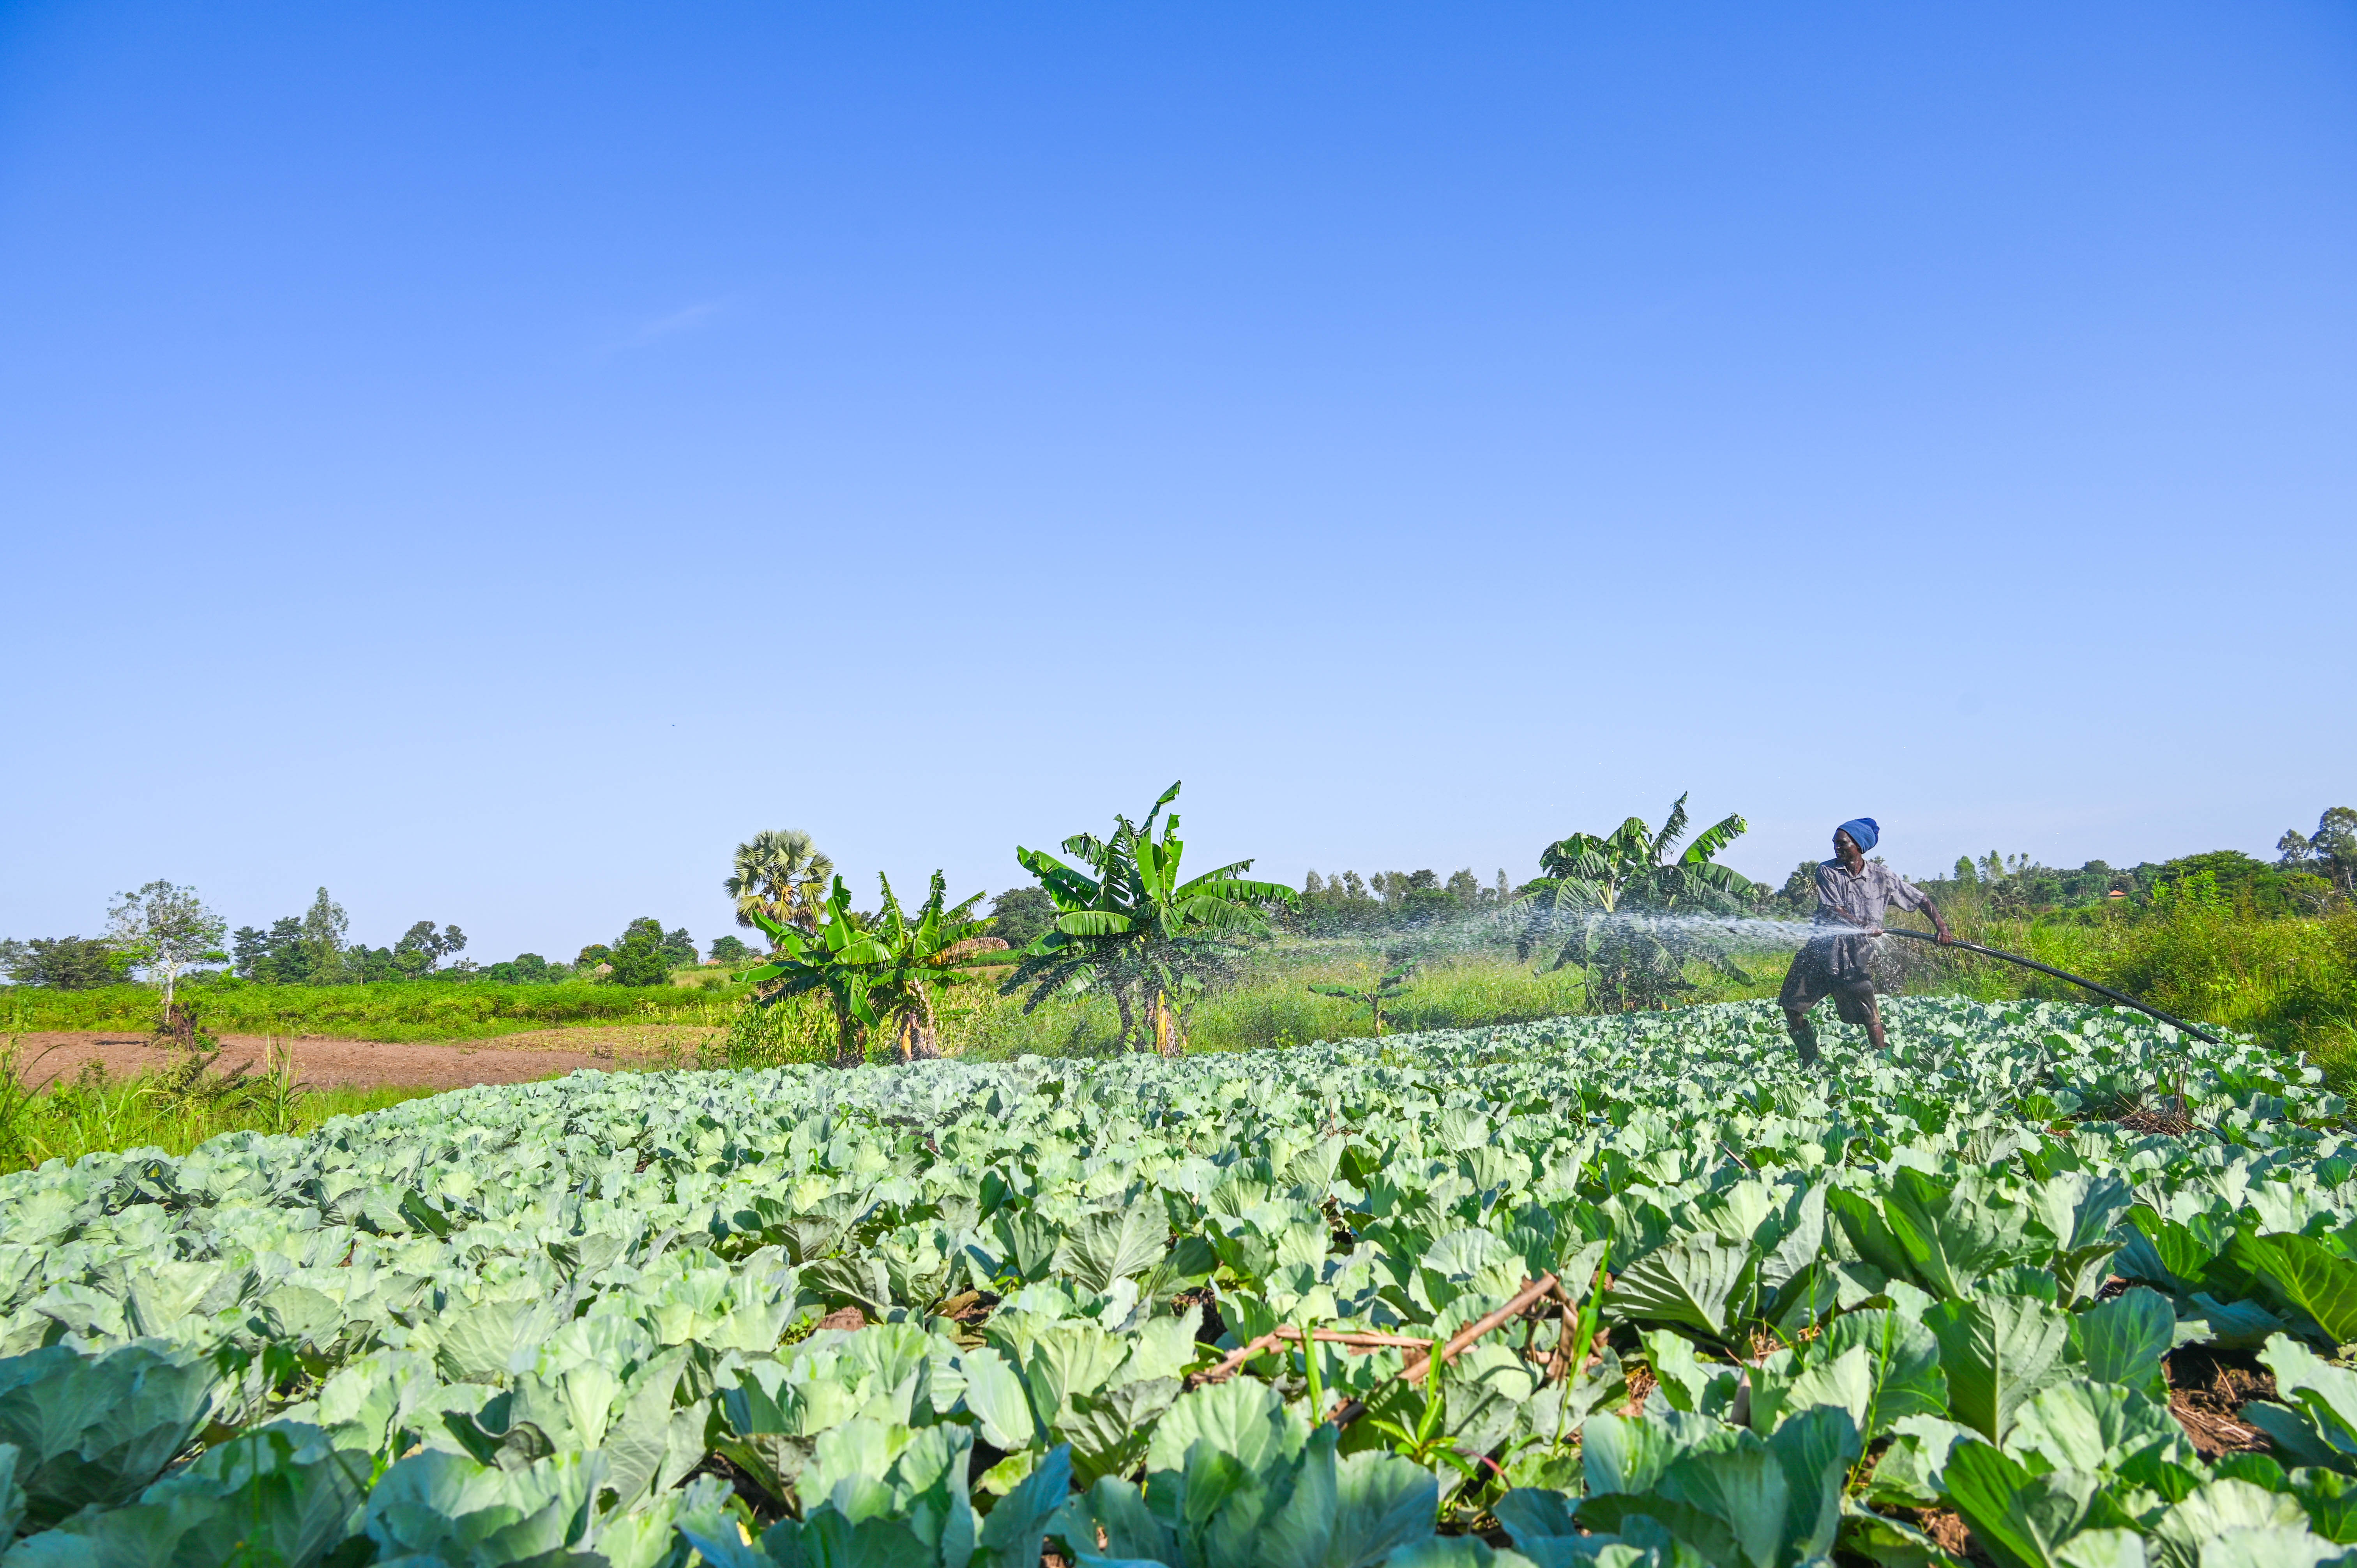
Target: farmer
[1852, 892]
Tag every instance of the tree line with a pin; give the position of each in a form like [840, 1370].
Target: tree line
[170, 935]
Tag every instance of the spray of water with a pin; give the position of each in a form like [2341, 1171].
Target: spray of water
[1742, 930]
[1490, 931]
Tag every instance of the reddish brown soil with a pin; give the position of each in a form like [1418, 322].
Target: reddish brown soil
[1640, 1384]
[50, 1056]
[1950, 1534]
[2207, 1390]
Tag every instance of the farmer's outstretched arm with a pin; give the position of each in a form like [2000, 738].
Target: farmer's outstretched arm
[1939, 921]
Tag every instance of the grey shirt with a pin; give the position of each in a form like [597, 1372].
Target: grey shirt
[1848, 900]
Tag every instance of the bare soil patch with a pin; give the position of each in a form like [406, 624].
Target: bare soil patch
[320, 1062]
[2207, 1390]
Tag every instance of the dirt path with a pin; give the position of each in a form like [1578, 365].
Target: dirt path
[323, 1063]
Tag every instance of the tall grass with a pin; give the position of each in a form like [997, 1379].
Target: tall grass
[2292, 982]
[52, 1118]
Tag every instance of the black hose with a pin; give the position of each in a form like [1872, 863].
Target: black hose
[2123, 998]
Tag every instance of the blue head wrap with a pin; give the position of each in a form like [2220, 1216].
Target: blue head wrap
[1862, 829]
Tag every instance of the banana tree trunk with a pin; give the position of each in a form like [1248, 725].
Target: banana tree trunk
[847, 1052]
[1170, 1038]
[918, 1039]
[1129, 1016]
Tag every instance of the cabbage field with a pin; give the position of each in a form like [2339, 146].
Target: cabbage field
[1692, 1307]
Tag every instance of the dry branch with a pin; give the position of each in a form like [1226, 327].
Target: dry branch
[1366, 1342]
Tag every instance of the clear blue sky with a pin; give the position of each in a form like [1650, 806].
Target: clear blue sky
[490, 459]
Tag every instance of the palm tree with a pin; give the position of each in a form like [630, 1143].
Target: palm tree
[1133, 929]
[1605, 900]
[781, 873]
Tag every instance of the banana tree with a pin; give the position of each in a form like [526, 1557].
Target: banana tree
[921, 955]
[1620, 908]
[839, 958]
[1126, 924]
[1377, 997]
[880, 973]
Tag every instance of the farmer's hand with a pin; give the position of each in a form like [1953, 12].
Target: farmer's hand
[1946, 936]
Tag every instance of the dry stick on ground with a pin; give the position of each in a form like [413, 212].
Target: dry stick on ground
[1417, 1365]
[1416, 1371]
[1364, 1343]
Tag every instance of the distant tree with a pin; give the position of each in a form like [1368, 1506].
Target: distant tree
[679, 949]
[1433, 903]
[323, 927]
[165, 930]
[2330, 852]
[289, 959]
[1342, 903]
[590, 957]
[731, 950]
[423, 947]
[1799, 893]
[275, 957]
[1400, 900]
[530, 967]
[781, 874]
[248, 949]
[1021, 916]
[63, 963]
[639, 956]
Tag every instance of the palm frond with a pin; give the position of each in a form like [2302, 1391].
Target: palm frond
[1086, 848]
[1219, 915]
[1225, 883]
[1581, 854]
[1671, 830]
[1093, 923]
[1714, 838]
[1068, 887]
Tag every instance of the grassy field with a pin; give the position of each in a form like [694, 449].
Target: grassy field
[95, 1112]
[398, 1010]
